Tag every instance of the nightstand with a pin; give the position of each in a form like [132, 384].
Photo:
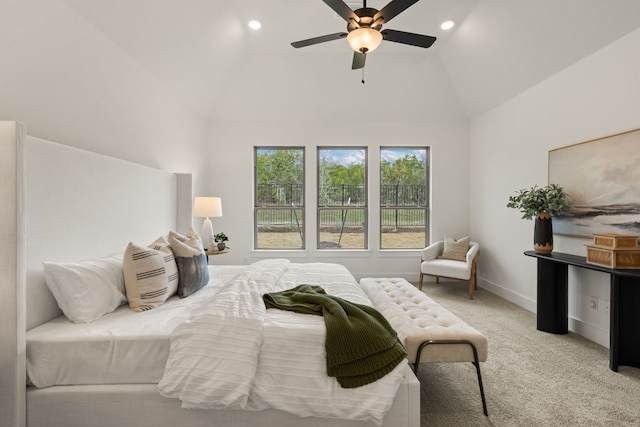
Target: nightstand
[215, 251]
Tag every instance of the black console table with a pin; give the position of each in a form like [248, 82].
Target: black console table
[553, 302]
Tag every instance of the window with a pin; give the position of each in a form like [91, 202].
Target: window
[342, 198]
[279, 198]
[404, 199]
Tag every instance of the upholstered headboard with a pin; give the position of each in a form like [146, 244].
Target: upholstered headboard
[81, 205]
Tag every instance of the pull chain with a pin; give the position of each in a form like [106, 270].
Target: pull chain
[362, 75]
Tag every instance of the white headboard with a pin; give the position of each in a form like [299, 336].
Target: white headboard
[82, 205]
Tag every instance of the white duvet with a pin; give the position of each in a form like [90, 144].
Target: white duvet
[233, 353]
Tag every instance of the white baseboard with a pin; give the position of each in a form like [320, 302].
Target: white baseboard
[519, 300]
[589, 331]
[584, 329]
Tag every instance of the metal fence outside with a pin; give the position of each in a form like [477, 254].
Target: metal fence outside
[342, 195]
[403, 195]
[399, 218]
[339, 195]
[289, 218]
[280, 195]
[402, 205]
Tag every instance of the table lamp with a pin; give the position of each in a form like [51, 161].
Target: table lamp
[207, 207]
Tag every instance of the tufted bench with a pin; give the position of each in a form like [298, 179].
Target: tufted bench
[429, 332]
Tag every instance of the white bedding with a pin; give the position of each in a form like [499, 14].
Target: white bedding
[123, 347]
[289, 374]
[282, 361]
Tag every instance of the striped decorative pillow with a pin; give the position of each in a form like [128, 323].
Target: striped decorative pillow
[150, 274]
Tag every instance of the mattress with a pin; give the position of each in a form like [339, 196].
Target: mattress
[201, 349]
[122, 347]
[127, 347]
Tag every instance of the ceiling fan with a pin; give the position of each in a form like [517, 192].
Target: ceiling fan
[363, 29]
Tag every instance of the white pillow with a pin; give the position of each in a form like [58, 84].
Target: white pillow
[150, 274]
[86, 290]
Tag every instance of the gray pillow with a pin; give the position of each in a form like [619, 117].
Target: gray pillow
[191, 260]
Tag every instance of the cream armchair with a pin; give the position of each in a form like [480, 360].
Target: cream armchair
[431, 265]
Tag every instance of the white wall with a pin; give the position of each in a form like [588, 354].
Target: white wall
[68, 83]
[595, 97]
[232, 179]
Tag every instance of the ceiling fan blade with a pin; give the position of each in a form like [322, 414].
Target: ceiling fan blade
[321, 39]
[408, 38]
[392, 9]
[359, 59]
[342, 9]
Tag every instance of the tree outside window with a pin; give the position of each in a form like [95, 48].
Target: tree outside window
[279, 198]
[342, 198]
[404, 198]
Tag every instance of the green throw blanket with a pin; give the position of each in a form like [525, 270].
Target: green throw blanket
[361, 345]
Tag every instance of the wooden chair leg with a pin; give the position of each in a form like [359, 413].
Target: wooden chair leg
[437, 280]
[421, 276]
[471, 288]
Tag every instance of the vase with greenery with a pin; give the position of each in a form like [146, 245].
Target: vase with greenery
[541, 203]
[220, 239]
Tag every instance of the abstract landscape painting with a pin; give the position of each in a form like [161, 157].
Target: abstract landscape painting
[602, 180]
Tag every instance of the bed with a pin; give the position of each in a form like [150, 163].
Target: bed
[80, 205]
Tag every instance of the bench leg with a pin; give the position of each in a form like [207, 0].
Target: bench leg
[475, 362]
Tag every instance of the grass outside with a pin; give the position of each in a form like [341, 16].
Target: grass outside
[399, 239]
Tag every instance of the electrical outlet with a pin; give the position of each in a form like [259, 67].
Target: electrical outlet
[593, 302]
[604, 304]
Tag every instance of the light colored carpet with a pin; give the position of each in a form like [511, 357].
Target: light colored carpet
[531, 378]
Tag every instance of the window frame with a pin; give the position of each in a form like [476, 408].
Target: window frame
[365, 196]
[257, 207]
[426, 207]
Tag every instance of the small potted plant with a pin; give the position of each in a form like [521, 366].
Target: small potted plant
[541, 203]
[220, 239]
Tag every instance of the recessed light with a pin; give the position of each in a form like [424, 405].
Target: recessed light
[447, 25]
[255, 25]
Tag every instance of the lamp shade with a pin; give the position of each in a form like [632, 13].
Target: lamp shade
[364, 39]
[207, 207]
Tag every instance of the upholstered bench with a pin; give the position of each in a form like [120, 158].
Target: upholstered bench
[429, 332]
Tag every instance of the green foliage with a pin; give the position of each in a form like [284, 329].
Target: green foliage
[220, 238]
[337, 174]
[290, 226]
[280, 166]
[551, 199]
[333, 176]
[407, 170]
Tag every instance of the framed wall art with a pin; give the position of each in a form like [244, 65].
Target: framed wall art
[602, 180]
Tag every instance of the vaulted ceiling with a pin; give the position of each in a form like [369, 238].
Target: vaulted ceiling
[205, 52]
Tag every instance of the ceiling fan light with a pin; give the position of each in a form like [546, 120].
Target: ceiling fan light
[364, 39]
